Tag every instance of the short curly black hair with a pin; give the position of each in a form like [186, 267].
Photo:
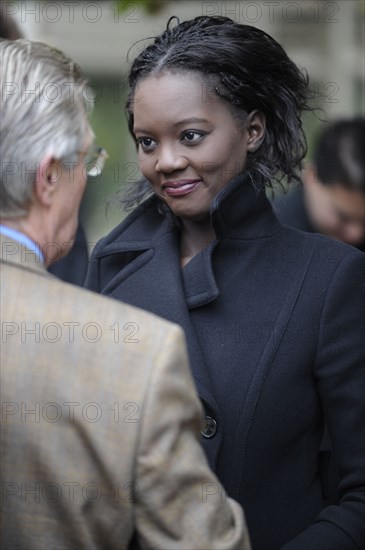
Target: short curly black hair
[245, 67]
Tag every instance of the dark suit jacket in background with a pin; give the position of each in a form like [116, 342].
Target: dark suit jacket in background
[274, 320]
[73, 267]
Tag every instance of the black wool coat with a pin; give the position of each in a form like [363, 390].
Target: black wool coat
[274, 321]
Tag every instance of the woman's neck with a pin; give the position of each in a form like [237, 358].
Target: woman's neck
[194, 237]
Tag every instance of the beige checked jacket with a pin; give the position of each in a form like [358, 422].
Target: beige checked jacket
[99, 425]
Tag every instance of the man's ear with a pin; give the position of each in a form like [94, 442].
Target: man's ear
[256, 128]
[48, 175]
[309, 176]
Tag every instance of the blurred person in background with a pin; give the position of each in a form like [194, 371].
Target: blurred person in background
[72, 267]
[273, 316]
[332, 198]
[133, 474]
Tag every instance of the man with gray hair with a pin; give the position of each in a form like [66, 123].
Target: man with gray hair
[72, 267]
[100, 419]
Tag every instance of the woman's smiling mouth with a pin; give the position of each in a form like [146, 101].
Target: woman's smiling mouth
[179, 188]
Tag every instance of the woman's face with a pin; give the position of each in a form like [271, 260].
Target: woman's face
[189, 145]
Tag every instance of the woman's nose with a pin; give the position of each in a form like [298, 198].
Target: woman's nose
[170, 159]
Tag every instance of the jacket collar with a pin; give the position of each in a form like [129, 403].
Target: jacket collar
[240, 211]
[16, 253]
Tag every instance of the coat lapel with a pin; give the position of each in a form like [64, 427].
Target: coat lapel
[158, 260]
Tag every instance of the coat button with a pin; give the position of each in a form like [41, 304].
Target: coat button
[209, 428]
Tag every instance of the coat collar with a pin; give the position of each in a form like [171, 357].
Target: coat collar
[16, 253]
[238, 212]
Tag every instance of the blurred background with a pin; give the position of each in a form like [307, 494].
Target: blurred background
[326, 38]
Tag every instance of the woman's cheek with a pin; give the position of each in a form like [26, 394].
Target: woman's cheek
[145, 167]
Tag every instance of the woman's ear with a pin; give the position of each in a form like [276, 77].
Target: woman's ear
[256, 128]
[47, 178]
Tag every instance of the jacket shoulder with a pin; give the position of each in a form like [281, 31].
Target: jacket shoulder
[108, 310]
[26, 295]
[319, 243]
[290, 210]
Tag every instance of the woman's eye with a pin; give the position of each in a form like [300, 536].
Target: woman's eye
[192, 136]
[146, 143]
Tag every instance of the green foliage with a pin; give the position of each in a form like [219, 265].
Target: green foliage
[151, 7]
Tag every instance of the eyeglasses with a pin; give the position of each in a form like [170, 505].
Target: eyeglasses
[94, 161]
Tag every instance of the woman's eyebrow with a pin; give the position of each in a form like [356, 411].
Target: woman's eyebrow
[190, 120]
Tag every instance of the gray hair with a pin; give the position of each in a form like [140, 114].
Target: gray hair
[44, 106]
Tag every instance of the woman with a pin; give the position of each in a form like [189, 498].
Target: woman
[272, 316]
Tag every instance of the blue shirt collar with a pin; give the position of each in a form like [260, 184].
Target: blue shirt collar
[23, 239]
